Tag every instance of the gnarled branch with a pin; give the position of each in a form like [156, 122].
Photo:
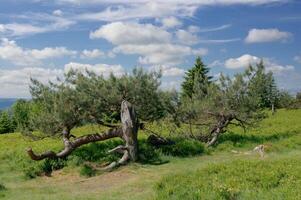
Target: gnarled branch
[128, 132]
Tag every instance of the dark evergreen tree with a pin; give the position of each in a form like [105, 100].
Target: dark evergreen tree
[6, 124]
[196, 78]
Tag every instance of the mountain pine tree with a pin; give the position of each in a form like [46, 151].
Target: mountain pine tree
[196, 78]
[5, 123]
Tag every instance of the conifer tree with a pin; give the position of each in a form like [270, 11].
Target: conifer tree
[196, 78]
[5, 123]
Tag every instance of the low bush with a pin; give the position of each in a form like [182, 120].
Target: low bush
[184, 148]
[44, 167]
[2, 187]
[87, 171]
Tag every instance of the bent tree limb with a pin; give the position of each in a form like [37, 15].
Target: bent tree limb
[128, 132]
[222, 122]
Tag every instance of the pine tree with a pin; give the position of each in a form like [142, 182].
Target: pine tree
[196, 78]
[5, 123]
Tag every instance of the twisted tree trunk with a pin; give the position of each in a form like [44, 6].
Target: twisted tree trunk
[128, 132]
[223, 122]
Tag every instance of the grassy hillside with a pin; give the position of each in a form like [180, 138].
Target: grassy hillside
[215, 173]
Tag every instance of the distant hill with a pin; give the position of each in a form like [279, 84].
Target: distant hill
[6, 102]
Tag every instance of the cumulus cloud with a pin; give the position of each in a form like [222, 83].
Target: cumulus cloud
[100, 69]
[90, 54]
[131, 33]
[153, 44]
[168, 71]
[10, 51]
[171, 22]
[57, 12]
[156, 54]
[186, 37]
[15, 83]
[266, 35]
[241, 62]
[246, 60]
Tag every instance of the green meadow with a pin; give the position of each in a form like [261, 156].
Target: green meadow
[186, 170]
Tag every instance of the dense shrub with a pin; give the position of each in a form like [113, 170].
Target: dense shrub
[87, 170]
[45, 167]
[184, 148]
[2, 187]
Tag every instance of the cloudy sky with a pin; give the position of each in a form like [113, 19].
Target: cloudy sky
[45, 38]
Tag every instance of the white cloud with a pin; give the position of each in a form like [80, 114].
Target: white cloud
[100, 69]
[156, 54]
[241, 62]
[216, 63]
[15, 83]
[57, 12]
[90, 54]
[203, 2]
[153, 44]
[15, 29]
[168, 71]
[131, 33]
[10, 51]
[266, 35]
[246, 60]
[193, 29]
[171, 22]
[132, 10]
[186, 37]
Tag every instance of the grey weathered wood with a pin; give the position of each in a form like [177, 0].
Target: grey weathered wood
[128, 132]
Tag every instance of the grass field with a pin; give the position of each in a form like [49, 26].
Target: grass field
[215, 173]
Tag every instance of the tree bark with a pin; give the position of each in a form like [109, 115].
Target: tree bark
[223, 122]
[128, 132]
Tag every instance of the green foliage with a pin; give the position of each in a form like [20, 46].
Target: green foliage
[196, 78]
[228, 101]
[262, 85]
[87, 171]
[241, 179]
[6, 123]
[149, 154]
[281, 132]
[21, 112]
[88, 98]
[298, 96]
[45, 167]
[285, 100]
[2, 187]
[184, 148]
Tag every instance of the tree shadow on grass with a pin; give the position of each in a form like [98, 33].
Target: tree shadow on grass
[240, 139]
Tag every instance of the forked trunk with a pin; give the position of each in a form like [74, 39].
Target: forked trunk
[128, 132]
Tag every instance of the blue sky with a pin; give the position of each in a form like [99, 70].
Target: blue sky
[44, 39]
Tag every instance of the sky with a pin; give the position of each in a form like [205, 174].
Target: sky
[44, 39]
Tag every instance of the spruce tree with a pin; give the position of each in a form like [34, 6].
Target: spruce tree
[196, 78]
[5, 123]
